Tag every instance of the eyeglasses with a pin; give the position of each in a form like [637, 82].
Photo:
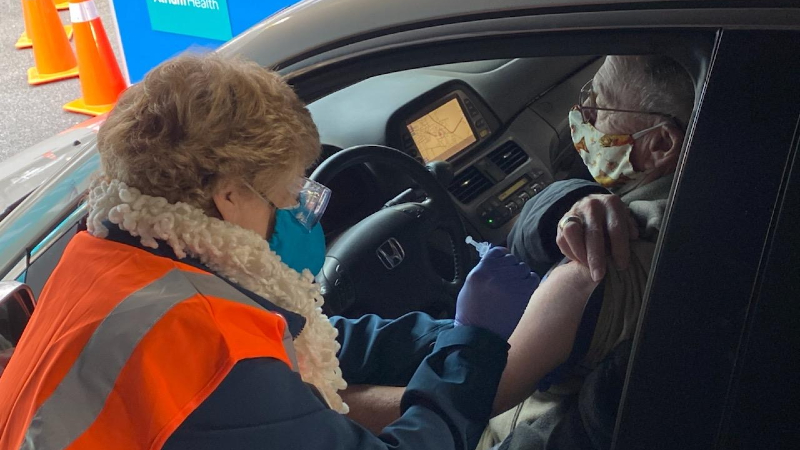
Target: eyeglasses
[310, 199]
[587, 105]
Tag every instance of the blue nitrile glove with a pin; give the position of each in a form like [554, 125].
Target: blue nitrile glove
[496, 293]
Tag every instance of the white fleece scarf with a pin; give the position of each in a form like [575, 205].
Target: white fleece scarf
[237, 254]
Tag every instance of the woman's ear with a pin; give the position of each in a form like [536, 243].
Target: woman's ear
[238, 205]
[226, 198]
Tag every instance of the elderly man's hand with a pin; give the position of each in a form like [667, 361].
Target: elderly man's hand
[596, 226]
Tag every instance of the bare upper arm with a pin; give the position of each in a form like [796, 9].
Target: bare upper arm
[545, 334]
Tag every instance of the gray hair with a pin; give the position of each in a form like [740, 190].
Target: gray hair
[648, 83]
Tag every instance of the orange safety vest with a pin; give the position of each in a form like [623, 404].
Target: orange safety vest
[123, 346]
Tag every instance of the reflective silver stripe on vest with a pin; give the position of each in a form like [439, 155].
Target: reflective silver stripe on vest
[214, 286]
[288, 345]
[79, 398]
[81, 395]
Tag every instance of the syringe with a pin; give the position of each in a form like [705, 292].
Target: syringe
[481, 247]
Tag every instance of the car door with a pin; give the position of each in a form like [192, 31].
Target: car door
[711, 360]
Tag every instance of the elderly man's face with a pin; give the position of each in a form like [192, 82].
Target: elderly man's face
[610, 94]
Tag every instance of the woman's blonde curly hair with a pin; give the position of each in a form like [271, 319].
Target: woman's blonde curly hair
[197, 119]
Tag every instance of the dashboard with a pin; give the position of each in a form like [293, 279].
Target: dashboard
[446, 124]
[498, 125]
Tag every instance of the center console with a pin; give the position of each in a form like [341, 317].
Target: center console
[494, 174]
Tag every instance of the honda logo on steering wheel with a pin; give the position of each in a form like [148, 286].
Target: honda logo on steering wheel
[391, 253]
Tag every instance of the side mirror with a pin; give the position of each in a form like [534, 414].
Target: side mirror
[16, 307]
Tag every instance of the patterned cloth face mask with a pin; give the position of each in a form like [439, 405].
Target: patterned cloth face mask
[607, 156]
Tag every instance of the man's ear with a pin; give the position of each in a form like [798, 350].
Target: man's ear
[666, 147]
[226, 198]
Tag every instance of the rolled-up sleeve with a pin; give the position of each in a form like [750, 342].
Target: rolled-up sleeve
[533, 237]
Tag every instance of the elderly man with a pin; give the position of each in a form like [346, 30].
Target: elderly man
[628, 128]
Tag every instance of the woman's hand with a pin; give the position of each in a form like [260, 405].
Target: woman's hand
[496, 293]
[374, 407]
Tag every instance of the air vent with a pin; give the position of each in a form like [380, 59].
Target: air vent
[508, 157]
[468, 185]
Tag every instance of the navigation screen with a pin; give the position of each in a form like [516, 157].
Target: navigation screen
[442, 132]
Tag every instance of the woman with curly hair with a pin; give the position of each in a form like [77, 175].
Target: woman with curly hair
[186, 317]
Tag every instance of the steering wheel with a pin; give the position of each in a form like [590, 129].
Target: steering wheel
[381, 265]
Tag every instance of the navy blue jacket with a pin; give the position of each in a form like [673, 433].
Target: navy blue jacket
[262, 404]
[533, 236]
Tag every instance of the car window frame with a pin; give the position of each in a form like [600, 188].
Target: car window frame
[627, 431]
[339, 74]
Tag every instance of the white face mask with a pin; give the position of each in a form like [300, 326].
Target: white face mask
[607, 156]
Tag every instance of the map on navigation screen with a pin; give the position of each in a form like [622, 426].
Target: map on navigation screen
[442, 132]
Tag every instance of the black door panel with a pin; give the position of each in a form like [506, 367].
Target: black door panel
[765, 393]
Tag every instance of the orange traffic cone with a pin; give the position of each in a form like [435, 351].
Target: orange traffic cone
[24, 40]
[101, 79]
[51, 50]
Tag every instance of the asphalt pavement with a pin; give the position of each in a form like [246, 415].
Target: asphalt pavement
[29, 114]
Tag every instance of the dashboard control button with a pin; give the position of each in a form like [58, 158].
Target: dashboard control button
[470, 107]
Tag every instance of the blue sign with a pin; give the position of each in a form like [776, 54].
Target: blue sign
[201, 18]
[145, 44]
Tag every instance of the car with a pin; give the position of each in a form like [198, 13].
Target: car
[716, 346]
